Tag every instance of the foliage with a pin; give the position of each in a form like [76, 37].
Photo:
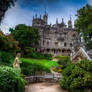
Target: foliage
[83, 24]
[10, 80]
[26, 36]
[77, 76]
[7, 43]
[31, 53]
[6, 58]
[31, 66]
[4, 5]
[63, 60]
[58, 69]
[47, 56]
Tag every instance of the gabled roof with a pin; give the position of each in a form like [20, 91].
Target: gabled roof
[84, 53]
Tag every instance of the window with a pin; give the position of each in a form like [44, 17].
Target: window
[65, 44]
[63, 51]
[56, 43]
[71, 44]
[73, 36]
[47, 43]
[43, 42]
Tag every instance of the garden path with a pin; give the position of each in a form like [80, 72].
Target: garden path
[45, 87]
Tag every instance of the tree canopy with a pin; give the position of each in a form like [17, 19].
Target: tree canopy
[83, 24]
[26, 35]
[4, 5]
[8, 43]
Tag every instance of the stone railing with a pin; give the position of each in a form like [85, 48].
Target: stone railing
[43, 78]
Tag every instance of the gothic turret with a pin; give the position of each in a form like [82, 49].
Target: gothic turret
[70, 23]
[45, 18]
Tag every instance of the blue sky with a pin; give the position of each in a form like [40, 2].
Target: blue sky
[24, 10]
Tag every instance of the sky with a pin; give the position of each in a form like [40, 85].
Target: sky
[23, 11]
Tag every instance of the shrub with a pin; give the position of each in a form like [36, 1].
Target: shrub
[77, 76]
[58, 69]
[32, 69]
[63, 60]
[6, 58]
[10, 80]
[31, 53]
[48, 56]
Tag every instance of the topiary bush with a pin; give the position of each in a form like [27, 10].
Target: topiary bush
[10, 80]
[77, 76]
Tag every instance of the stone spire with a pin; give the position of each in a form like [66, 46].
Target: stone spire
[45, 17]
[36, 16]
[40, 16]
[62, 20]
[33, 17]
[57, 21]
[70, 23]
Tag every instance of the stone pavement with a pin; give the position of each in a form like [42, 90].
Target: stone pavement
[45, 87]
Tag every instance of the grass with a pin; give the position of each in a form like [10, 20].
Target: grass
[43, 62]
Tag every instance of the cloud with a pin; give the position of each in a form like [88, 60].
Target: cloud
[24, 10]
[16, 15]
[89, 2]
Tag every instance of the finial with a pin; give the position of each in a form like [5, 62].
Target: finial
[35, 15]
[56, 20]
[62, 20]
[70, 17]
[40, 16]
[50, 24]
[45, 11]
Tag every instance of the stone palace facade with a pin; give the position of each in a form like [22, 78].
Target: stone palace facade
[57, 39]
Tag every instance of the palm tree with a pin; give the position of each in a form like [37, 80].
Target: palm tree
[4, 5]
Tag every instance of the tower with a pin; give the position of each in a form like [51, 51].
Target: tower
[45, 17]
[70, 23]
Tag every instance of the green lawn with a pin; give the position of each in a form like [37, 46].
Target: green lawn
[31, 66]
[42, 62]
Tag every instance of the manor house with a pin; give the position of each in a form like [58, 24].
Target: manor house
[57, 39]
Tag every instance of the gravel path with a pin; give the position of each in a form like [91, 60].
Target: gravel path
[45, 87]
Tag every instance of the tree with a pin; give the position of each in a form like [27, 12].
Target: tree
[4, 5]
[26, 35]
[8, 43]
[83, 24]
